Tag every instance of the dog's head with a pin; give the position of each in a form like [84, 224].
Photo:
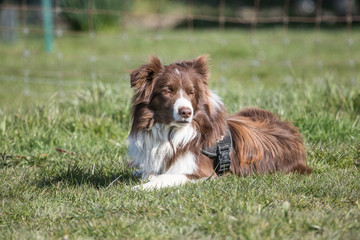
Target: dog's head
[169, 94]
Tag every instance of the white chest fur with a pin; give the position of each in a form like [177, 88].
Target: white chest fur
[149, 149]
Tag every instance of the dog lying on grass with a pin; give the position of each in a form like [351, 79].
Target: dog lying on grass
[180, 130]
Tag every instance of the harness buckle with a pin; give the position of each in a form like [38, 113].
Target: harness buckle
[222, 161]
[220, 153]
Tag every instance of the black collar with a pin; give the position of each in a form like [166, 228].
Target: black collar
[220, 153]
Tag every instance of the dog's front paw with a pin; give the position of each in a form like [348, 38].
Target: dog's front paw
[147, 186]
[161, 181]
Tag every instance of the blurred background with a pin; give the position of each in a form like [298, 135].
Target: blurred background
[51, 49]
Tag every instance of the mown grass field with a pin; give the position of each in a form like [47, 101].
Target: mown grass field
[85, 193]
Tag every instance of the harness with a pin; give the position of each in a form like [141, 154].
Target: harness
[220, 153]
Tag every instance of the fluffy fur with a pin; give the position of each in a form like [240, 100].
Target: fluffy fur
[174, 115]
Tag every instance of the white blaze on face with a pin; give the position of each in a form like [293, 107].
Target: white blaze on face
[182, 102]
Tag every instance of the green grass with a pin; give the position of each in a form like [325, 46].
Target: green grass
[87, 195]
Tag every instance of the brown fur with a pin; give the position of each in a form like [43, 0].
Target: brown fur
[264, 144]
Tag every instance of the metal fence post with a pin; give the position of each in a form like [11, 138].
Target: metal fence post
[48, 25]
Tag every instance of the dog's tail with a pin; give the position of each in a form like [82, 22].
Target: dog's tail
[302, 169]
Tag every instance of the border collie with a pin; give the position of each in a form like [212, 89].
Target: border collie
[175, 116]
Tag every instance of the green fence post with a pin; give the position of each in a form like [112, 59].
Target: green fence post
[48, 25]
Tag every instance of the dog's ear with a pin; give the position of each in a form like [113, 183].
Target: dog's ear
[200, 66]
[142, 80]
[140, 77]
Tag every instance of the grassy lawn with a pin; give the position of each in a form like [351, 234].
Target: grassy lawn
[79, 99]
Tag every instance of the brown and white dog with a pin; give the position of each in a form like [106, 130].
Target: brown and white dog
[175, 115]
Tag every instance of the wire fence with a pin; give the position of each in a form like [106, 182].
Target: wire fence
[66, 79]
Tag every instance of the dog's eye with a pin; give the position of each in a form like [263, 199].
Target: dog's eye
[192, 92]
[167, 90]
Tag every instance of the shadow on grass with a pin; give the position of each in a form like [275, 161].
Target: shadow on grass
[76, 176]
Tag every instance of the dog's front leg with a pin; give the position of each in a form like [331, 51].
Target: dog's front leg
[137, 173]
[164, 180]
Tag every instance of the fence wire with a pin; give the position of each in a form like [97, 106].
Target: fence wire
[62, 78]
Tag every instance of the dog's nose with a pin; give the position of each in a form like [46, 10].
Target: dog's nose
[185, 112]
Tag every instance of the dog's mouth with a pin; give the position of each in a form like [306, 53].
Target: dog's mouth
[181, 123]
